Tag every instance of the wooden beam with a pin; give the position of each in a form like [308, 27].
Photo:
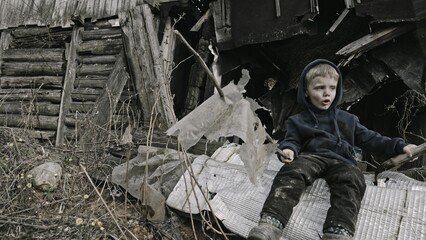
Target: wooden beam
[371, 41]
[34, 55]
[33, 108]
[32, 68]
[30, 95]
[107, 102]
[5, 40]
[68, 85]
[166, 101]
[145, 66]
[31, 82]
[29, 121]
[101, 47]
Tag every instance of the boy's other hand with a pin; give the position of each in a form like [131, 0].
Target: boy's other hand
[409, 149]
[286, 155]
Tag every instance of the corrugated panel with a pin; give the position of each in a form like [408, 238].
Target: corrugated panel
[56, 13]
[389, 211]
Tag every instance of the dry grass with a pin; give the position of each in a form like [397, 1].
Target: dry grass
[82, 207]
[77, 209]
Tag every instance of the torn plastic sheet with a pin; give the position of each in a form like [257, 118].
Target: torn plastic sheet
[389, 211]
[232, 116]
[150, 177]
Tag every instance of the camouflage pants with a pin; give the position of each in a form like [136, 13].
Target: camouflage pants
[346, 182]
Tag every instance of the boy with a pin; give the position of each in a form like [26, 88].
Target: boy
[321, 139]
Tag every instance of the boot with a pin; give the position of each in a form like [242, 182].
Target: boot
[268, 228]
[337, 233]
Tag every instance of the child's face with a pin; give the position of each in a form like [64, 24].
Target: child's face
[321, 91]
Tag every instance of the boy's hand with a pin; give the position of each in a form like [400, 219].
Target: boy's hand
[286, 155]
[409, 149]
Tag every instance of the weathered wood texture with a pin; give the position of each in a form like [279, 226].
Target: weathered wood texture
[50, 90]
[108, 100]
[33, 68]
[36, 37]
[221, 11]
[34, 55]
[39, 95]
[68, 86]
[33, 108]
[31, 82]
[96, 47]
[145, 66]
[59, 13]
[356, 48]
[5, 39]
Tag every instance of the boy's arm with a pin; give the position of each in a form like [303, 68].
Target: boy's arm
[374, 142]
[291, 140]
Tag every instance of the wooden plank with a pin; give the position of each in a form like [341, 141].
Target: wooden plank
[166, 102]
[89, 83]
[34, 55]
[30, 95]
[138, 60]
[98, 34]
[68, 85]
[111, 46]
[32, 108]
[5, 40]
[81, 107]
[372, 40]
[31, 82]
[167, 47]
[90, 95]
[32, 68]
[94, 69]
[221, 11]
[107, 102]
[29, 121]
[199, 23]
[97, 59]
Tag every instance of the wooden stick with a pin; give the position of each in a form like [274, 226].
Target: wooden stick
[396, 162]
[203, 64]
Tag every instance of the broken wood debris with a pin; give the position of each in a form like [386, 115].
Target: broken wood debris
[356, 48]
[203, 64]
[401, 159]
[145, 66]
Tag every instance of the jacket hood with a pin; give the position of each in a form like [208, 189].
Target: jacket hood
[301, 99]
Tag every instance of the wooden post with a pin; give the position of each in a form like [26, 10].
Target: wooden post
[5, 41]
[108, 100]
[68, 85]
[166, 101]
[145, 66]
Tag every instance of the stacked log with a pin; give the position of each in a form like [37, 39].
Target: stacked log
[34, 76]
[32, 70]
[97, 54]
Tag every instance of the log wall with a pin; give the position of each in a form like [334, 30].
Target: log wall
[35, 69]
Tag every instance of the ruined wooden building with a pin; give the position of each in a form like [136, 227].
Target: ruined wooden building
[113, 63]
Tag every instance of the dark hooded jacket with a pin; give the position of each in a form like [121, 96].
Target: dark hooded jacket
[332, 133]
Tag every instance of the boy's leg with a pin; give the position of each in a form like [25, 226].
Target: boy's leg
[286, 190]
[347, 187]
[288, 186]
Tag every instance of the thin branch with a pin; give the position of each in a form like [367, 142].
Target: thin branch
[203, 64]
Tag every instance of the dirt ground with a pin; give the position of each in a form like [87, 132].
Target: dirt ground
[81, 207]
